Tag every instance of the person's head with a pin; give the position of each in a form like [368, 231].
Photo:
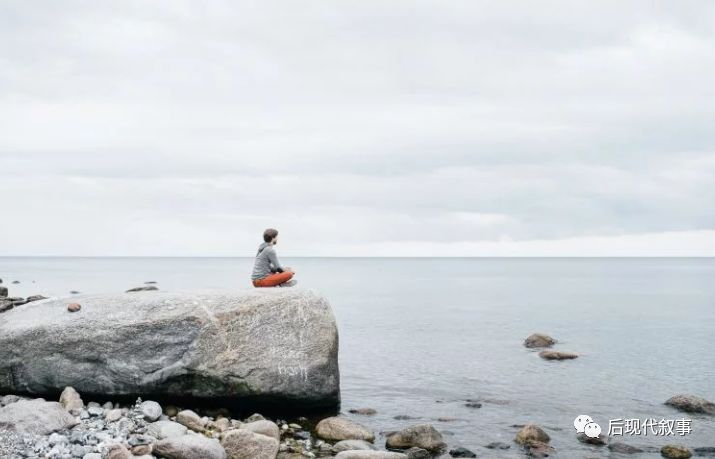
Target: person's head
[270, 235]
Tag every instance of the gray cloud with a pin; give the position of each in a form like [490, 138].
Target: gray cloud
[487, 127]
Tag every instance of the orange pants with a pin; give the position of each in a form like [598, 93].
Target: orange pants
[273, 279]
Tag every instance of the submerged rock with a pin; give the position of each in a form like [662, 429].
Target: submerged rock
[363, 411]
[691, 404]
[145, 288]
[539, 340]
[462, 452]
[422, 436]
[623, 448]
[259, 347]
[557, 355]
[601, 440]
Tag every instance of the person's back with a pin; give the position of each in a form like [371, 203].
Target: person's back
[267, 270]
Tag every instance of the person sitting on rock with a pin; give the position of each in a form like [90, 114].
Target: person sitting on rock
[267, 270]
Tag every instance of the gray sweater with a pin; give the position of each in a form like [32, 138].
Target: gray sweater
[266, 262]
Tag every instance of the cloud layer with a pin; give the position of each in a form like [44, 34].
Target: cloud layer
[357, 128]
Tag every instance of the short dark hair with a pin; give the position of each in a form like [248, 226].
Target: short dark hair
[270, 234]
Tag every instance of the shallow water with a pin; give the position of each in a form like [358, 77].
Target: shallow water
[420, 336]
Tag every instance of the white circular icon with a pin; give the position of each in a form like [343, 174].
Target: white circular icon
[580, 422]
[592, 430]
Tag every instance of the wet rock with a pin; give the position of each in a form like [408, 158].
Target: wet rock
[190, 447]
[370, 455]
[539, 340]
[244, 444]
[267, 428]
[36, 417]
[74, 307]
[363, 411]
[601, 440]
[422, 436]
[691, 404]
[74, 292]
[16, 282]
[708, 451]
[6, 305]
[145, 288]
[3, 291]
[35, 298]
[675, 452]
[531, 433]
[539, 449]
[337, 428]
[191, 420]
[498, 445]
[166, 429]
[461, 452]
[352, 445]
[150, 410]
[418, 453]
[200, 341]
[473, 405]
[557, 355]
[623, 448]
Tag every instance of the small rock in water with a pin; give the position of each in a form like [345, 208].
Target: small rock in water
[74, 307]
[675, 452]
[145, 288]
[150, 282]
[473, 405]
[3, 291]
[539, 449]
[16, 282]
[691, 404]
[557, 355]
[539, 340]
[363, 411]
[462, 452]
[74, 292]
[601, 440]
[623, 448]
[531, 433]
[422, 436]
[498, 445]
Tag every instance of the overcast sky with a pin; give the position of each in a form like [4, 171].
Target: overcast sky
[357, 127]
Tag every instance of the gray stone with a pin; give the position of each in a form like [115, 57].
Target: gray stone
[539, 340]
[151, 410]
[146, 288]
[36, 417]
[336, 428]
[189, 447]
[623, 448]
[353, 445]
[691, 404]
[263, 346]
[422, 436]
[71, 401]
[166, 429]
[191, 420]
[370, 455]
[113, 415]
[267, 428]
[601, 440]
[418, 453]
[531, 433]
[244, 444]
[557, 355]
[3, 291]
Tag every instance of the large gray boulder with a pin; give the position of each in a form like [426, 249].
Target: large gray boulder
[36, 417]
[264, 346]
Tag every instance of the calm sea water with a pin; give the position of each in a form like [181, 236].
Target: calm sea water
[421, 336]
